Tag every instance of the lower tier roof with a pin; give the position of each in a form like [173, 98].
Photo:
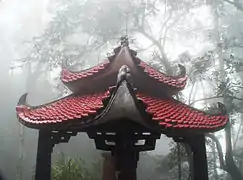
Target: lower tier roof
[65, 110]
[165, 113]
[174, 114]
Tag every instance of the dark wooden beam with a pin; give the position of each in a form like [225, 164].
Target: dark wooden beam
[43, 160]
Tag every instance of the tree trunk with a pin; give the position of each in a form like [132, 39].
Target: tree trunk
[216, 176]
[232, 169]
[228, 164]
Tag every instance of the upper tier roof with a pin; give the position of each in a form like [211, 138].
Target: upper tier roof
[104, 75]
[120, 90]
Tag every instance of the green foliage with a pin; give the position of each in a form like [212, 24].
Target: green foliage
[66, 168]
[173, 155]
[70, 169]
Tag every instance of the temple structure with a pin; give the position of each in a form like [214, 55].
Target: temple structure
[124, 105]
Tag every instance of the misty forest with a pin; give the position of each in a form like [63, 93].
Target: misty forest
[205, 36]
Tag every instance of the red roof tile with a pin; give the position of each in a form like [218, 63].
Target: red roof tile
[176, 82]
[168, 112]
[171, 113]
[69, 108]
[161, 77]
[68, 76]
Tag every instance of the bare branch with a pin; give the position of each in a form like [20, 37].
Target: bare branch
[241, 87]
[214, 97]
[204, 94]
[238, 133]
[163, 27]
[190, 94]
[203, 99]
[235, 46]
[236, 4]
[164, 59]
[144, 49]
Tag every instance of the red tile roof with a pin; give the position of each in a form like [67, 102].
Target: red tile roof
[180, 83]
[161, 77]
[68, 76]
[173, 114]
[169, 113]
[63, 110]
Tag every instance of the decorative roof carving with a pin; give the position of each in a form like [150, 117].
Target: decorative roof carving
[124, 74]
[182, 70]
[124, 41]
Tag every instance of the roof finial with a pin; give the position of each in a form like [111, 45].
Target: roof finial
[124, 41]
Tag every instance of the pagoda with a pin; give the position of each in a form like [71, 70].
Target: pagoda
[124, 105]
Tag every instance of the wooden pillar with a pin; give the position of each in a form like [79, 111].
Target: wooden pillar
[127, 166]
[109, 170]
[126, 157]
[200, 165]
[43, 160]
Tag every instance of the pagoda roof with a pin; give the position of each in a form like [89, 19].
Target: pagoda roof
[177, 82]
[104, 75]
[122, 88]
[83, 110]
[121, 97]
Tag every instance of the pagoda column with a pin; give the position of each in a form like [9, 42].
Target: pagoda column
[126, 157]
[127, 165]
[43, 160]
[200, 165]
[109, 171]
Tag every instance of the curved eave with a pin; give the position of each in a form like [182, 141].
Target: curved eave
[175, 117]
[61, 113]
[174, 82]
[68, 76]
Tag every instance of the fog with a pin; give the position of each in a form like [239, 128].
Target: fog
[192, 30]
